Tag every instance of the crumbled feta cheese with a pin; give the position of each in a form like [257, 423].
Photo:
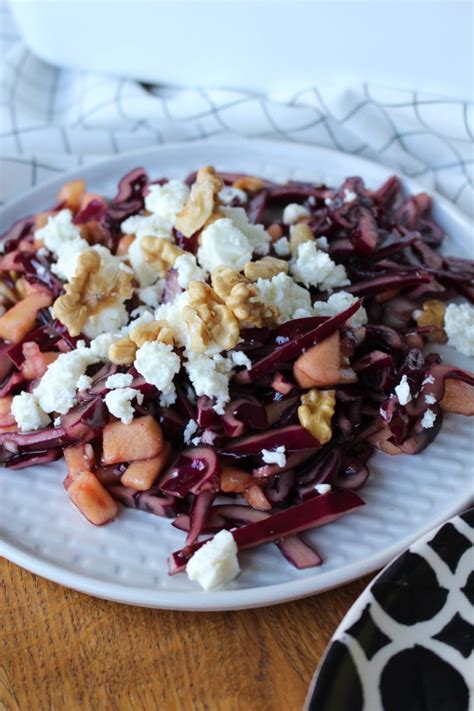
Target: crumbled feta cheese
[173, 313]
[239, 358]
[167, 200]
[119, 380]
[169, 396]
[312, 200]
[282, 247]
[340, 301]
[57, 422]
[276, 456]
[294, 212]
[257, 235]
[42, 252]
[189, 430]
[210, 376]
[84, 382]
[429, 380]
[100, 346]
[430, 399]
[459, 326]
[322, 243]
[151, 295]
[313, 267]
[228, 194]
[27, 412]
[58, 230]
[328, 202]
[112, 318]
[349, 196]
[57, 389]
[402, 391]
[222, 243]
[158, 364]
[67, 257]
[290, 298]
[428, 419]
[119, 403]
[215, 563]
[323, 488]
[188, 270]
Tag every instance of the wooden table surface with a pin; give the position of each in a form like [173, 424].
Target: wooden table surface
[64, 650]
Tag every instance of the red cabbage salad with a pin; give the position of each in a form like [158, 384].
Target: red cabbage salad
[228, 352]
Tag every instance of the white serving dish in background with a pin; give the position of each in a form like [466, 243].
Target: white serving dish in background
[262, 45]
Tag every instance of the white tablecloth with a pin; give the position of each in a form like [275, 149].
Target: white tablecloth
[54, 119]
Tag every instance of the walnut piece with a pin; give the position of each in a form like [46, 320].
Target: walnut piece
[202, 202]
[160, 253]
[89, 292]
[265, 268]
[223, 279]
[209, 320]
[248, 182]
[154, 331]
[316, 411]
[299, 234]
[432, 315]
[243, 299]
[122, 352]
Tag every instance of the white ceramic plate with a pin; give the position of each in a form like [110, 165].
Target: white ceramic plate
[126, 561]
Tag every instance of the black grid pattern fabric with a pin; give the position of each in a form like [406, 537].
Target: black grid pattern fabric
[54, 119]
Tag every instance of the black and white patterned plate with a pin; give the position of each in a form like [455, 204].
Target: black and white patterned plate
[407, 644]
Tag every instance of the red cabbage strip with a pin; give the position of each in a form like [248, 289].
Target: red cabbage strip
[298, 552]
[386, 282]
[151, 501]
[295, 347]
[21, 460]
[48, 438]
[199, 510]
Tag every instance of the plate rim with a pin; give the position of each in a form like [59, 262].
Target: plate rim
[220, 600]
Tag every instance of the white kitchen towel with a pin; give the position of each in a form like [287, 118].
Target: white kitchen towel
[54, 119]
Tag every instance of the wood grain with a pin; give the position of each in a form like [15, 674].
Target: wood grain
[64, 650]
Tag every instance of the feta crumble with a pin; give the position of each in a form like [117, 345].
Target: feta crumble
[276, 456]
[323, 488]
[173, 313]
[84, 382]
[58, 230]
[210, 376]
[430, 399]
[228, 194]
[428, 419]
[119, 403]
[144, 226]
[112, 318]
[119, 380]
[223, 244]
[158, 364]
[239, 358]
[282, 247]
[27, 412]
[151, 295]
[429, 380]
[257, 235]
[294, 212]
[313, 267]
[350, 196]
[190, 429]
[56, 391]
[402, 391]
[169, 396]
[215, 563]
[188, 270]
[166, 200]
[340, 301]
[459, 326]
[292, 300]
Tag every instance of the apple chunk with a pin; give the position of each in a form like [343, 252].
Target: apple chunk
[142, 474]
[458, 397]
[18, 321]
[79, 458]
[319, 366]
[141, 439]
[89, 496]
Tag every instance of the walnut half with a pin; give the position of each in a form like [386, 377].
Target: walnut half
[209, 320]
[316, 411]
[243, 299]
[202, 202]
[432, 314]
[160, 253]
[265, 268]
[89, 292]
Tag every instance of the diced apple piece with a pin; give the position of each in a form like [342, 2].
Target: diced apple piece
[18, 321]
[255, 498]
[79, 458]
[141, 439]
[124, 244]
[6, 417]
[319, 366]
[380, 440]
[72, 193]
[141, 475]
[36, 363]
[89, 496]
[234, 480]
[458, 397]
